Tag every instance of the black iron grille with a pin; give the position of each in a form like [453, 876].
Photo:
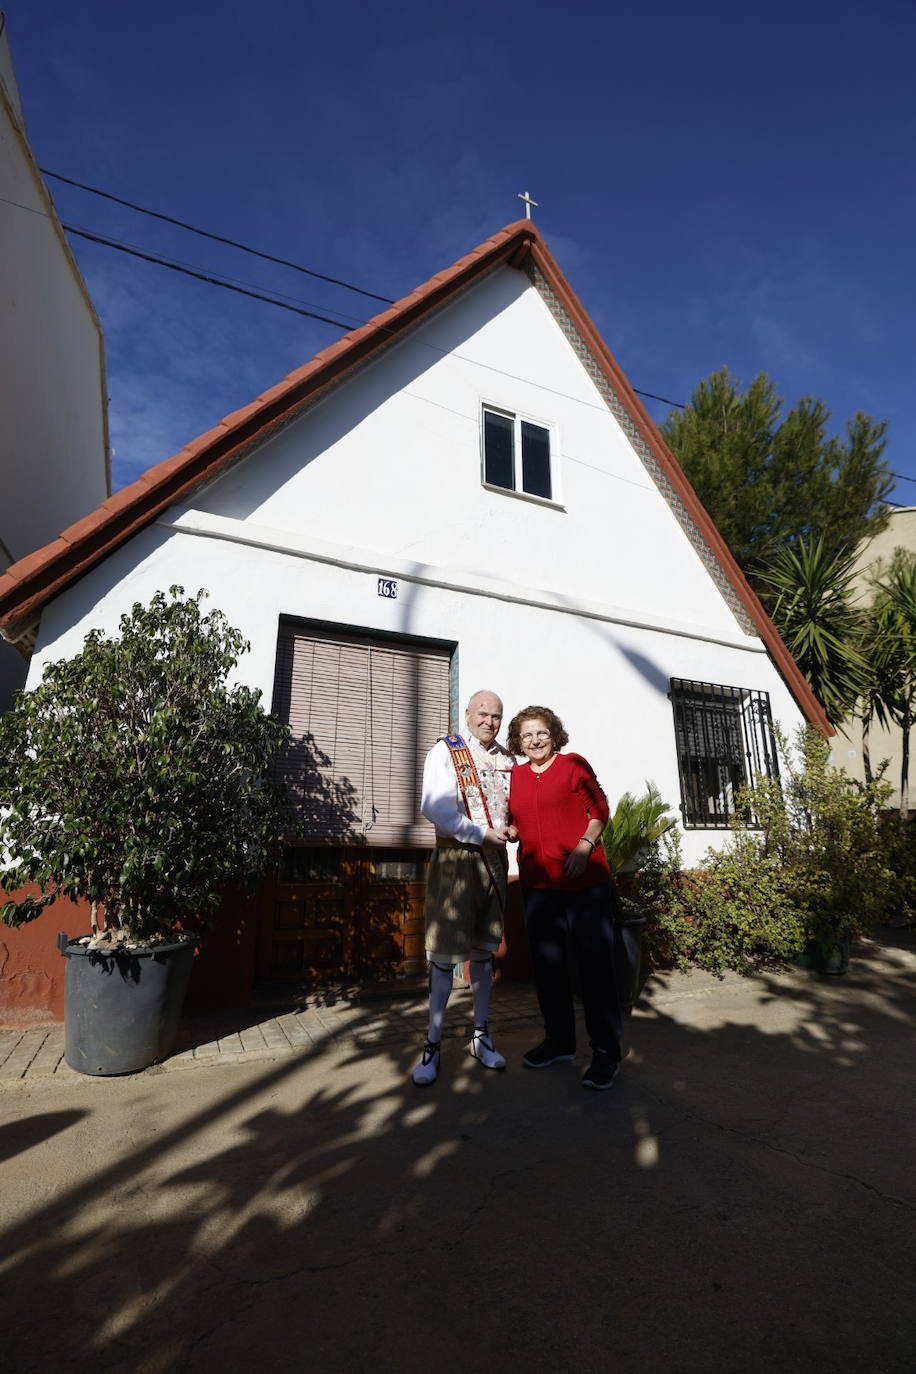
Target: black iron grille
[724, 738]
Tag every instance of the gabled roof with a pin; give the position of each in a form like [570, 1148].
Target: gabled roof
[28, 585]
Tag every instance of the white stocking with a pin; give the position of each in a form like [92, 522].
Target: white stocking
[481, 982]
[440, 989]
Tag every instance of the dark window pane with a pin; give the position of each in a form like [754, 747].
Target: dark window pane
[310, 866]
[535, 460]
[498, 448]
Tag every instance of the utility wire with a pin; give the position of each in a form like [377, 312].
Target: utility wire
[652, 396]
[217, 238]
[246, 289]
[191, 269]
[297, 310]
[255, 252]
[202, 276]
[257, 295]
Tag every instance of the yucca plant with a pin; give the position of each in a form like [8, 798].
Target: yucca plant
[811, 588]
[634, 826]
[890, 642]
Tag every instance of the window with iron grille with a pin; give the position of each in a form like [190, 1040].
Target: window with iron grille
[724, 738]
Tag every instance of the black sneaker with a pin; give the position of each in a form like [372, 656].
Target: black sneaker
[601, 1072]
[548, 1052]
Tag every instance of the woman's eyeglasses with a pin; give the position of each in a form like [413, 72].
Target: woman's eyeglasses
[535, 736]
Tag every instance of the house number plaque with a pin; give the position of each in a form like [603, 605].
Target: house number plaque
[387, 586]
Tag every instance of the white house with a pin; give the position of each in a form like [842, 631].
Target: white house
[54, 430]
[463, 493]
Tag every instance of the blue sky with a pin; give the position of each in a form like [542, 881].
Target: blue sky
[722, 184]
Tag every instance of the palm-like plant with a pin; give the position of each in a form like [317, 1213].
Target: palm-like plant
[889, 641]
[812, 608]
[634, 827]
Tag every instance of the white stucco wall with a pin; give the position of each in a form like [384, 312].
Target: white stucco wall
[53, 436]
[589, 605]
[391, 462]
[608, 681]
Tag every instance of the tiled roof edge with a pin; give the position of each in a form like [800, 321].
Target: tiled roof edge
[34, 580]
[27, 585]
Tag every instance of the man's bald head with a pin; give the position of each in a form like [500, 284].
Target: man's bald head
[484, 716]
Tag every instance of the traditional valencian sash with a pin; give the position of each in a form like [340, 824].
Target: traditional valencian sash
[475, 803]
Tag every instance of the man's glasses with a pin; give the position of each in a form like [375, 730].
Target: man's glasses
[536, 735]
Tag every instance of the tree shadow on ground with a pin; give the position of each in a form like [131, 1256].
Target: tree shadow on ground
[27, 1131]
[743, 1199]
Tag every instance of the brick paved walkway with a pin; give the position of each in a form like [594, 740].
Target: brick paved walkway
[266, 1033]
[387, 1014]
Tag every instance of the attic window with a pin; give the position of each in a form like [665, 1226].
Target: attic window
[516, 454]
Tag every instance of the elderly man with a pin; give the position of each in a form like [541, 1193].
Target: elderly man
[465, 795]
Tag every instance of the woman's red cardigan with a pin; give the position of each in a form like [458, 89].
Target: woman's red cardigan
[550, 811]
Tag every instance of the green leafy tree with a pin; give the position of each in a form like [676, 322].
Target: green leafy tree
[768, 478]
[135, 777]
[810, 590]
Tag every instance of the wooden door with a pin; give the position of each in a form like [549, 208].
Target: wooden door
[338, 911]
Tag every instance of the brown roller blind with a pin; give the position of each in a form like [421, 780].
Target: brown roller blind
[363, 715]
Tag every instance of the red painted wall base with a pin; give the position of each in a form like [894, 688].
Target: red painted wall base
[32, 969]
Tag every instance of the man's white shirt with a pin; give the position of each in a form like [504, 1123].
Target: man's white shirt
[442, 800]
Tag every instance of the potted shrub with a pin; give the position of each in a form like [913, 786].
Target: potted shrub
[134, 777]
[632, 833]
[636, 824]
[824, 828]
[803, 872]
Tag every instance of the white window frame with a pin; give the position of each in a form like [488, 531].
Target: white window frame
[517, 417]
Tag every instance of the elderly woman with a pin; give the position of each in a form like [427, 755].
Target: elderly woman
[557, 811]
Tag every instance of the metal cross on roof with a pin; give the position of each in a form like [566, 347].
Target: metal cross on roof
[523, 195]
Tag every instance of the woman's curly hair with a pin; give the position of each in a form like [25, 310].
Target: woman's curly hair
[551, 721]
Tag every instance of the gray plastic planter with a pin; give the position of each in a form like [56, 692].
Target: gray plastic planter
[628, 933]
[121, 1011]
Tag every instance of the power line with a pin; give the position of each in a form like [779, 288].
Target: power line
[234, 285]
[201, 276]
[681, 405]
[247, 289]
[191, 269]
[255, 252]
[217, 238]
[310, 314]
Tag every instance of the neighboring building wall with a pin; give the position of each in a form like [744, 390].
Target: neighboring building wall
[883, 744]
[54, 437]
[13, 671]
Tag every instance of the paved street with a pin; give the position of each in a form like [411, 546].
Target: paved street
[279, 1194]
